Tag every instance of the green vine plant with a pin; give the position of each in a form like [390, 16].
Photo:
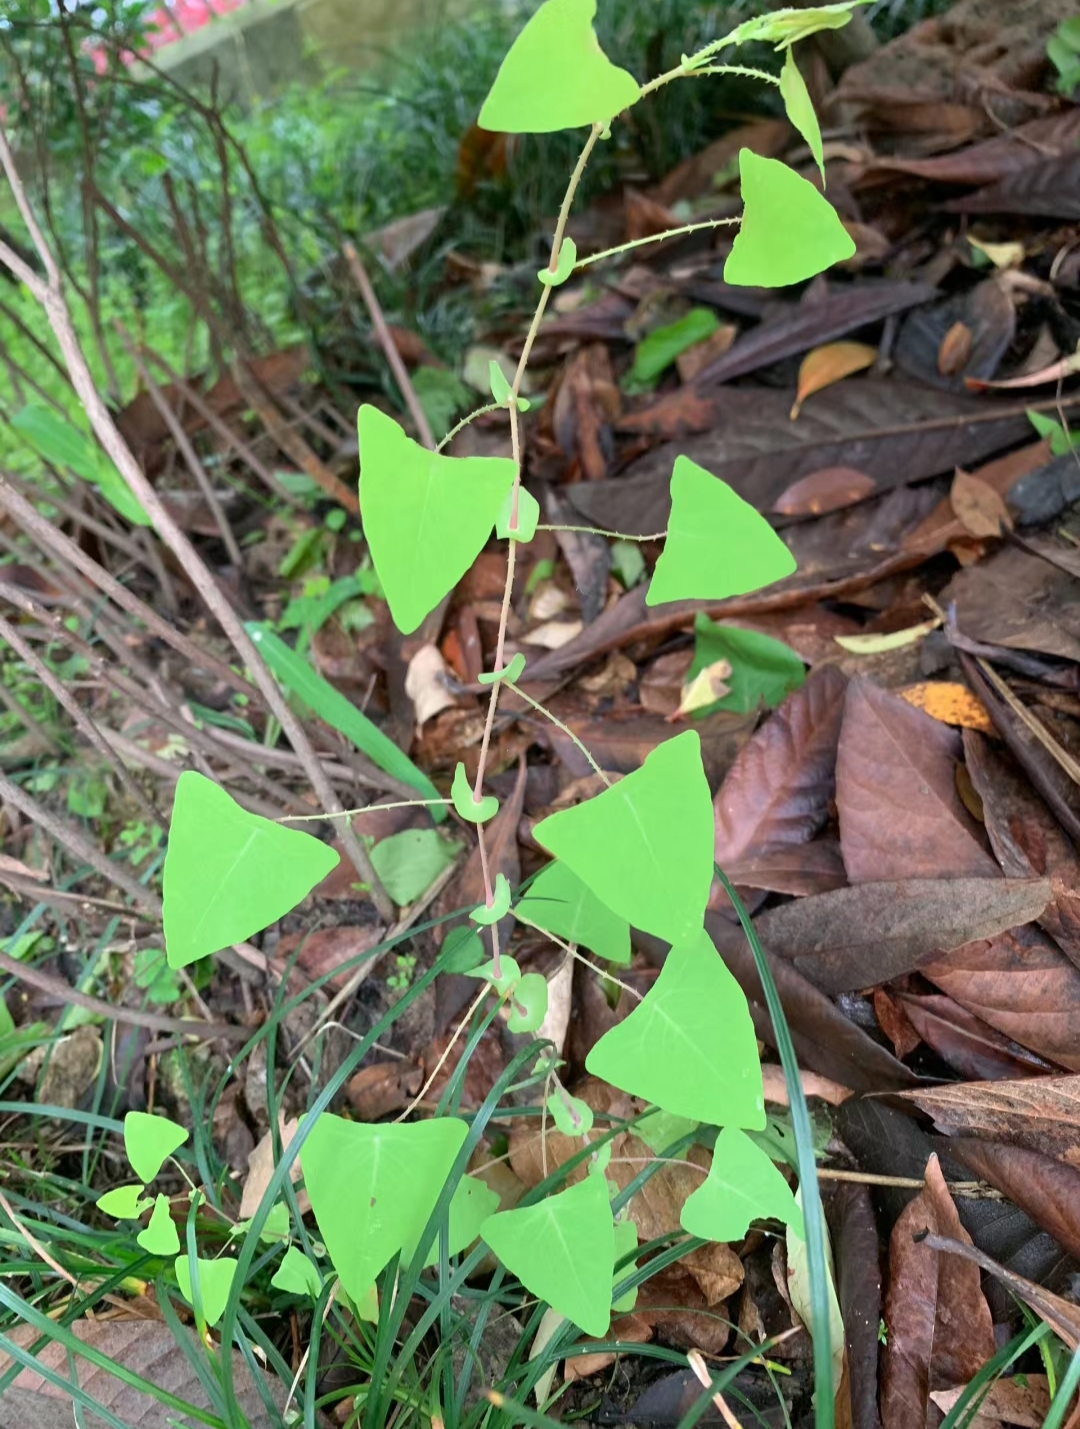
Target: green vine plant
[390, 1200]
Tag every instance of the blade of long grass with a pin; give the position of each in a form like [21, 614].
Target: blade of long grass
[813, 1217]
[967, 1406]
[330, 704]
[1066, 1389]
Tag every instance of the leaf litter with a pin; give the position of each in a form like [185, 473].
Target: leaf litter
[892, 783]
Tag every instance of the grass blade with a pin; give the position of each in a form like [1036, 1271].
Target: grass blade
[813, 1216]
[1063, 1398]
[330, 705]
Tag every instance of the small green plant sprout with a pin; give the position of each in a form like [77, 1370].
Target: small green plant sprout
[149, 1141]
[638, 854]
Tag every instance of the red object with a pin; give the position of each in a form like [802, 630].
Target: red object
[171, 22]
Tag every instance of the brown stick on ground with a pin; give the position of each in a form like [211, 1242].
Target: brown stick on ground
[49, 294]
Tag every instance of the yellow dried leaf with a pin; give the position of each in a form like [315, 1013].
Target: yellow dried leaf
[1002, 255]
[878, 644]
[704, 689]
[949, 703]
[828, 364]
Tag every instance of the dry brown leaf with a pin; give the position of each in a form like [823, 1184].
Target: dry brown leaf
[830, 363]
[940, 1333]
[813, 1085]
[1022, 1400]
[696, 358]
[632, 1329]
[830, 489]
[560, 995]
[1042, 1114]
[978, 507]
[553, 634]
[325, 949]
[382, 1088]
[950, 703]
[261, 1168]
[955, 350]
[425, 683]
[895, 1023]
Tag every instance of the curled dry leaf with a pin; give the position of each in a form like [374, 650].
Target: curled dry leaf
[858, 1288]
[425, 683]
[939, 1330]
[900, 813]
[1020, 983]
[1042, 1114]
[831, 363]
[382, 1088]
[830, 489]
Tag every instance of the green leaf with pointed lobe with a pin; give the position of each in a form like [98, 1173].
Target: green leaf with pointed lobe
[742, 1186]
[215, 1282]
[571, 1115]
[689, 1045]
[556, 76]
[788, 232]
[528, 1003]
[297, 1275]
[471, 1204]
[560, 903]
[126, 1203]
[645, 845]
[528, 515]
[228, 873]
[563, 1251]
[786, 27]
[160, 1237]
[426, 517]
[564, 265]
[717, 544]
[800, 109]
[373, 1187]
[149, 1140]
[511, 672]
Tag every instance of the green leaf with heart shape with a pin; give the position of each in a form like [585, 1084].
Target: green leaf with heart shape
[689, 1045]
[556, 76]
[800, 109]
[149, 1141]
[160, 1237]
[528, 1003]
[126, 1203]
[215, 1282]
[571, 1115]
[645, 845]
[373, 1188]
[742, 1186]
[229, 873]
[471, 1204]
[509, 974]
[559, 902]
[297, 1275]
[764, 671]
[717, 544]
[426, 517]
[563, 1251]
[788, 233]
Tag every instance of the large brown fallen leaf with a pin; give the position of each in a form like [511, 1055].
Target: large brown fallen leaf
[858, 1288]
[1019, 601]
[1022, 984]
[147, 1348]
[776, 795]
[1026, 838]
[900, 813]
[1042, 1114]
[874, 932]
[939, 1330]
[1048, 1190]
[968, 1044]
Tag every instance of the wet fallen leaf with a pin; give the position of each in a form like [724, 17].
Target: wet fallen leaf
[827, 490]
[873, 932]
[1042, 1114]
[1021, 984]
[978, 507]
[938, 1325]
[894, 640]
[949, 702]
[776, 796]
[425, 683]
[823, 366]
[1017, 600]
[900, 813]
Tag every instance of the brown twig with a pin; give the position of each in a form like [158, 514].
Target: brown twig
[50, 295]
[389, 347]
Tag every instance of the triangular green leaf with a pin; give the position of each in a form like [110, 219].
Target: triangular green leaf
[528, 515]
[297, 1275]
[563, 1251]
[785, 27]
[560, 903]
[408, 863]
[160, 1237]
[426, 517]
[788, 231]
[126, 1203]
[228, 873]
[800, 108]
[556, 76]
[645, 846]
[372, 1188]
[689, 1046]
[717, 544]
[215, 1282]
[742, 1186]
[149, 1140]
[470, 1205]
[763, 670]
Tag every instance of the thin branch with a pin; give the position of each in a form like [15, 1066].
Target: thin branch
[51, 298]
[389, 347]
